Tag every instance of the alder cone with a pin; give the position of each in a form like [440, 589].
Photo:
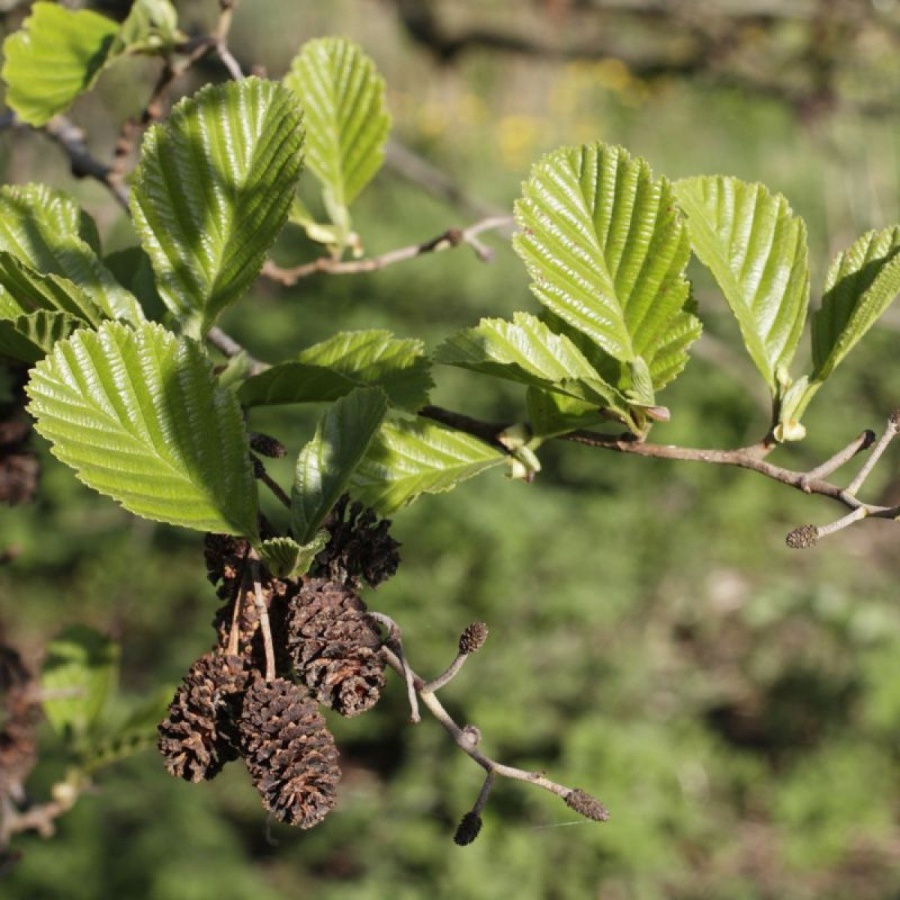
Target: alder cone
[333, 646]
[289, 751]
[199, 735]
[18, 716]
[360, 549]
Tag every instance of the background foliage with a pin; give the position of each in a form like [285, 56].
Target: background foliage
[736, 705]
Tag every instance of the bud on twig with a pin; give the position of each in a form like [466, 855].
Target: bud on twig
[586, 805]
[803, 538]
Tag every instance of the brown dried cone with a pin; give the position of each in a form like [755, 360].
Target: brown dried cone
[200, 735]
[360, 549]
[226, 561]
[290, 753]
[333, 646]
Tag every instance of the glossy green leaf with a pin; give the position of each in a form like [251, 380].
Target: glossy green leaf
[668, 356]
[140, 417]
[332, 368]
[408, 458]
[606, 250]
[27, 291]
[346, 120]
[28, 338]
[212, 191]
[326, 463]
[79, 672]
[755, 248]
[861, 283]
[524, 350]
[47, 232]
[56, 55]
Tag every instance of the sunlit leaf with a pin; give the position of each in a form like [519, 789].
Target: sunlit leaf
[755, 248]
[346, 120]
[140, 417]
[212, 191]
[56, 55]
[861, 283]
[326, 463]
[408, 458]
[606, 250]
[45, 230]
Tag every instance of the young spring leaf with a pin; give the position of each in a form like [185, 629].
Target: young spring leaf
[527, 351]
[56, 55]
[79, 672]
[140, 417]
[346, 120]
[408, 458]
[349, 359]
[212, 191]
[755, 248]
[326, 463]
[606, 250]
[47, 232]
[860, 285]
[28, 338]
[26, 291]
[285, 558]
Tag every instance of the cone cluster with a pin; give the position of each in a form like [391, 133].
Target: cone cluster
[326, 652]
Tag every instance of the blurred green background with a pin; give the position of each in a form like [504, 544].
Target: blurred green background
[735, 704]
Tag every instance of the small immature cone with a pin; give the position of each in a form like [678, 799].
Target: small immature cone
[468, 829]
[361, 548]
[473, 638]
[199, 735]
[586, 805]
[333, 647]
[289, 751]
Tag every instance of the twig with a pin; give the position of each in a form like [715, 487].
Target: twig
[462, 736]
[269, 482]
[446, 240]
[890, 432]
[393, 649]
[863, 442]
[82, 162]
[264, 624]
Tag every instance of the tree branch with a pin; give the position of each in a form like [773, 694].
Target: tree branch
[446, 240]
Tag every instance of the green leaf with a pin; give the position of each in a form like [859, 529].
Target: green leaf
[140, 417]
[55, 56]
[29, 338]
[527, 351]
[331, 369]
[408, 458]
[551, 414]
[669, 355]
[606, 250]
[212, 191]
[326, 463]
[861, 283]
[79, 672]
[755, 248]
[346, 120]
[47, 232]
[151, 27]
[285, 558]
[27, 291]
